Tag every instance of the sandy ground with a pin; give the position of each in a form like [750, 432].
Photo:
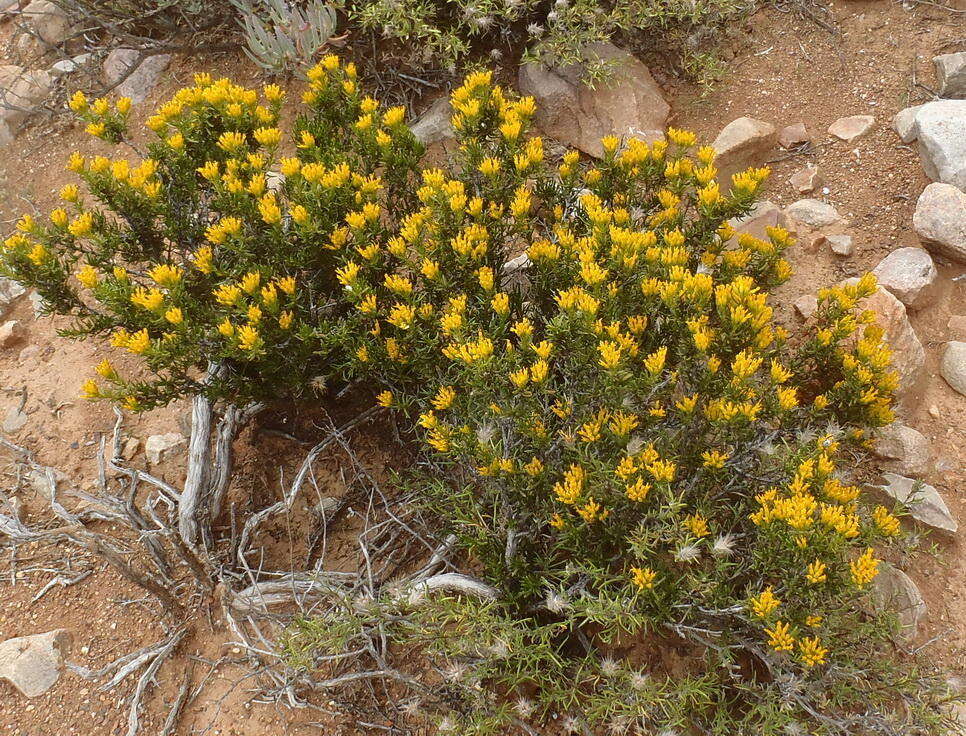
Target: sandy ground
[785, 70]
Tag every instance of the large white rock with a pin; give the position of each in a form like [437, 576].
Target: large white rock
[952, 365]
[629, 103]
[904, 123]
[33, 663]
[940, 128]
[136, 84]
[940, 220]
[951, 74]
[923, 501]
[893, 590]
[48, 22]
[21, 91]
[764, 214]
[743, 143]
[158, 445]
[852, 128]
[813, 213]
[903, 450]
[911, 276]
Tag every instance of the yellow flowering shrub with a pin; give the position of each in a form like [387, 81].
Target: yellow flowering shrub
[214, 257]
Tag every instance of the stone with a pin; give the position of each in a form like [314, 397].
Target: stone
[130, 448]
[11, 332]
[940, 220]
[903, 450]
[908, 355]
[893, 590]
[33, 664]
[138, 83]
[806, 305]
[841, 245]
[21, 91]
[38, 303]
[940, 129]
[910, 275]
[923, 501]
[793, 135]
[10, 291]
[813, 213]
[158, 445]
[851, 128]
[328, 505]
[48, 21]
[904, 123]
[14, 420]
[956, 327]
[952, 365]
[628, 103]
[764, 214]
[743, 143]
[434, 125]
[951, 74]
[806, 180]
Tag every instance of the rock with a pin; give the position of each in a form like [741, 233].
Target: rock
[10, 291]
[48, 21]
[908, 355]
[813, 212]
[743, 143]
[940, 220]
[11, 333]
[157, 445]
[903, 450]
[41, 483]
[138, 84]
[33, 663]
[841, 245]
[956, 327]
[894, 591]
[793, 135]
[764, 214]
[14, 420]
[68, 66]
[910, 275]
[940, 128]
[434, 125]
[806, 180]
[806, 305]
[904, 123]
[328, 505]
[923, 501]
[131, 447]
[851, 128]
[628, 103]
[38, 303]
[21, 91]
[28, 353]
[952, 365]
[951, 74]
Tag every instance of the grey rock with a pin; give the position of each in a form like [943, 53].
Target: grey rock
[131, 447]
[158, 445]
[139, 83]
[951, 74]
[68, 66]
[21, 91]
[904, 450]
[841, 245]
[850, 129]
[629, 103]
[806, 180]
[14, 420]
[743, 143]
[940, 220]
[38, 303]
[904, 123]
[893, 590]
[941, 131]
[924, 503]
[813, 213]
[952, 365]
[806, 305]
[11, 332]
[33, 664]
[434, 125]
[910, 275]
[793, 135]
[10, 291]
[48, 21]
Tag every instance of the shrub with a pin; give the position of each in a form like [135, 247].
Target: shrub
[213, 258]
[280, 37]
[641, 453]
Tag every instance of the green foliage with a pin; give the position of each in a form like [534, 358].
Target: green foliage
[282, 37]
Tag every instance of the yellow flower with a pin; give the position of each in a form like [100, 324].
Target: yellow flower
[864, 569]
[203, 258]
[226, 328]
[811, 651]
[139, 342]
[444, 398]
[268, 137]
[764, 603]
[90, 389]
[231, 142]
[78, 103]
[69, 193]
[176, 141]
[886, 522]
[287, 284]
[779, 637]
[697, 525]
[82, 226]
[165, 275]
[227, 294]
[174, 316]
[815, 573]
[385, 399]
[501, 303]
[150, 299]
[248, 338]
[106, 370]
[123, 105]
[285, 320]
[714, 459]
[250, 282]
[88, 276]
[643, 578]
